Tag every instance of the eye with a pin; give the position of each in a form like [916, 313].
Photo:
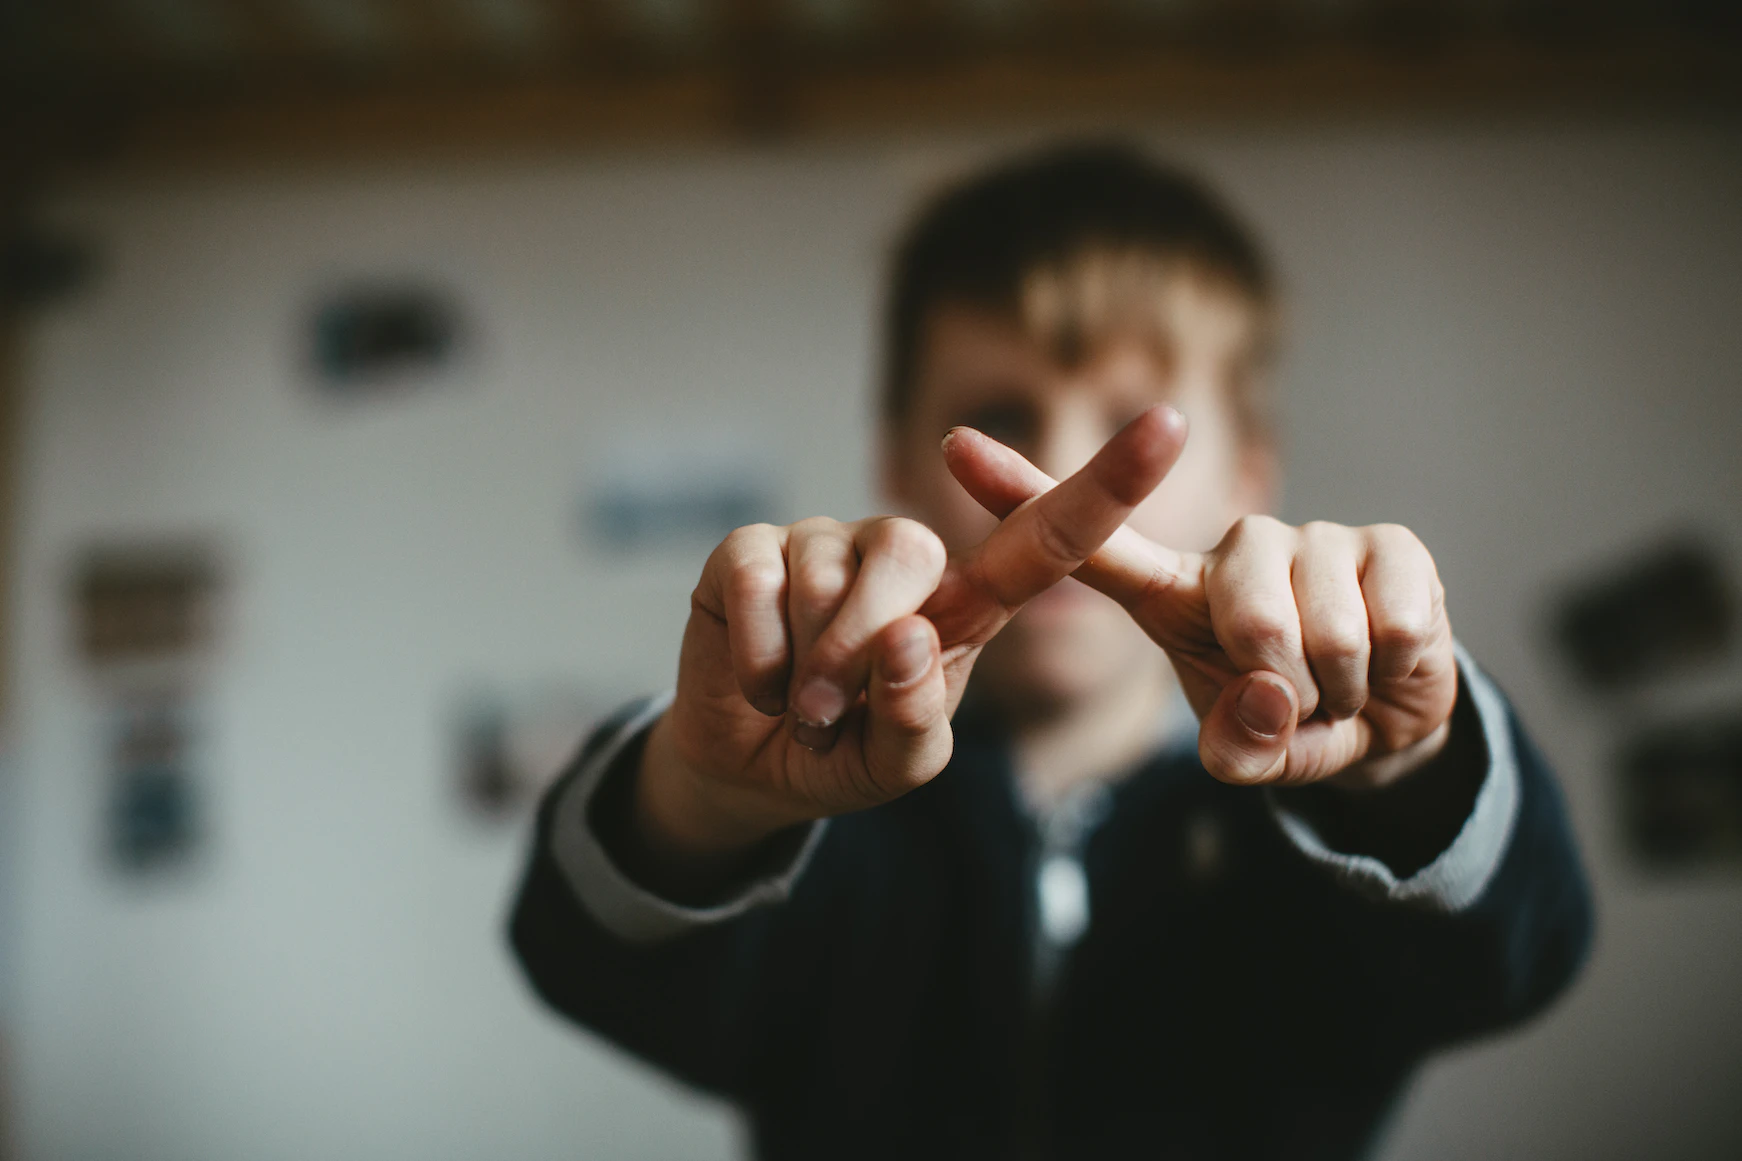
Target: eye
[1010, 422]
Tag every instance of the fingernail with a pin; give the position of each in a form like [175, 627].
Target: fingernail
[818, 738]
[950, 437]
[908, 661]
[770, 705]
[820, 703]
[1264, 707]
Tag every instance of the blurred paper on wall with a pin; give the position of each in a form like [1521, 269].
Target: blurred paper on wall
[145, 603]
[511, 743]
[154, 809]
[1681, 788]
[385, 337]
[1667, 609]
[145, 625]
[676, 490]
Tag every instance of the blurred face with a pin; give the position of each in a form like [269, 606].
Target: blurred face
[980, 369]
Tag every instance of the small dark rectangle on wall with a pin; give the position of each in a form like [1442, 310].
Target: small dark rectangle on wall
[511, 744]
[145, 602]
[372, 338]
[1665, 611]
[153, 808]
[1682, 791]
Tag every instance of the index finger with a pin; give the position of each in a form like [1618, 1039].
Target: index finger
[1048, 536]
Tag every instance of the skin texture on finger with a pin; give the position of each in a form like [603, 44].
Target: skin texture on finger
[822, 564]
[1164, 591]
[744, 584]
[1245, 737]
[907, 738]
[1333, 615]
[1237, 745]
[1049, 536]
[1252, 607]
[900, 563]
[1413, 678]
[1126, 567]
[1401, 591]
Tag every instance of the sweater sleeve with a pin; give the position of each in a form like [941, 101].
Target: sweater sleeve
[678, 987]
[1490, 952]
[1455, 878]
[614, 900]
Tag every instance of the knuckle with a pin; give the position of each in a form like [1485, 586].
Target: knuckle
[1340, 641]
[813, 525]
[745, 535]
[1396, 540]
[911, 544]
[1392, 535]
[1257, 524]
[1262, 629]
[756, 581]
[819, 586]
[1401, 632]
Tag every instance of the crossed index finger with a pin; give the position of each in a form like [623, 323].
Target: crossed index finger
[1049, 536]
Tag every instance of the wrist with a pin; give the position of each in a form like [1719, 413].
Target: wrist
[1389, 769]
[680, 813]
[1408, 814]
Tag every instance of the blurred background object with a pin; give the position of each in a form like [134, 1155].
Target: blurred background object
[369, 339]
[1512, 235]
[1669, 608]
[144, 623]
[1683, 791]
[513, 742]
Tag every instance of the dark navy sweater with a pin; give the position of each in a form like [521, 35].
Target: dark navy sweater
[1230, 998]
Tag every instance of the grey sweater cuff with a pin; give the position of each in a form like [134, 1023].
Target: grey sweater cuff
[1457, 878]
[619, 905]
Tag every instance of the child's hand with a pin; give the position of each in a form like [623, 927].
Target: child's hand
[822, 660]
[1307, 653]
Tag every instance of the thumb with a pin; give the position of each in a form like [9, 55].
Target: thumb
[1244, 738]
[907, 729]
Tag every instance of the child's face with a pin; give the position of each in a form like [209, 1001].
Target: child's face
[981, 370]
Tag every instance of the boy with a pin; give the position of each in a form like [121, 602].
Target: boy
[1201, 870]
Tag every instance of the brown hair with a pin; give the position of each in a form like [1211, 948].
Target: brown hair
[1077, 243]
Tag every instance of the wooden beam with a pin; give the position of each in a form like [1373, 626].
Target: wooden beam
[432, 38]
[758, 46]
[705, 100]
[275, 36]
[590, 37]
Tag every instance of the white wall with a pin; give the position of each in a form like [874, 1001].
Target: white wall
[1521, 342]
